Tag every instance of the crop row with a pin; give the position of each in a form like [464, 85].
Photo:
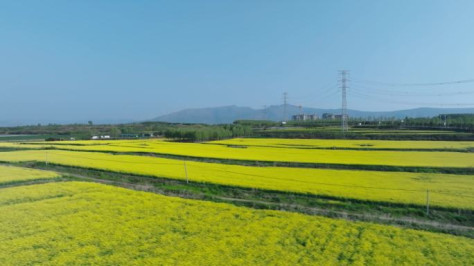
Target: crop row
[273, 154]
[397, 187]
[10, 174]
[353, 144]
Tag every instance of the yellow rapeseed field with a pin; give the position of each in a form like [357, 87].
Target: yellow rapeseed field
[255, 153]
[8, 144]
[10, 174]
[346, 143]
[78, 223]
[399, 187]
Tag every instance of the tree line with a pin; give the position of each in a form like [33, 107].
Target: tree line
[207, 133]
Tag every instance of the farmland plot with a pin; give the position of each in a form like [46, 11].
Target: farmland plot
[11, 174]
[399, 187]
[352, 144]
[85, 223]
[274, 154]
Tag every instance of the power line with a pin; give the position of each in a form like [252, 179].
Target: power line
[317, 94]
[319, 97]
[364, 96]
[388, 92]
[414, 84]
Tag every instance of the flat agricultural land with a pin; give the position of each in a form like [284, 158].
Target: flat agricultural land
[306, 202]
[351, 144]
[85, 223]
[11, 174]
[446, 190]
[431, 159]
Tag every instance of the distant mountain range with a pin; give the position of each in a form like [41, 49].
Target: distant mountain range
[228, 114]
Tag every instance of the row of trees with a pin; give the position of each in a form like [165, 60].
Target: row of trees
[451, 121]
[461, 122]
[207, 133]
[181, 132]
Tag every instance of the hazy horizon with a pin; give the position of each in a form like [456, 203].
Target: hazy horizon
[6, 123]
[127, 61]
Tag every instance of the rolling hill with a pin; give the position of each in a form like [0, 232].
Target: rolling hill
[228, 114]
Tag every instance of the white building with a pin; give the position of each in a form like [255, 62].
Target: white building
[305, 117]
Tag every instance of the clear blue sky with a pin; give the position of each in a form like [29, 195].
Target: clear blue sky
[63, 61]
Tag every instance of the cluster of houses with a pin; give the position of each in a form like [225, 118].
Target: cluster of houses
[101, 137]
[123, 136]
[305, 117]
[314, 117]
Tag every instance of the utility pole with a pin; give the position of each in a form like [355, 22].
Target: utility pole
[427, 202]
[46, 157]
[186, 172]
[344, 116]
[285, 106]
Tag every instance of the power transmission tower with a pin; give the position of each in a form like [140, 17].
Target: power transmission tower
[344, 116]
[285, 106]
